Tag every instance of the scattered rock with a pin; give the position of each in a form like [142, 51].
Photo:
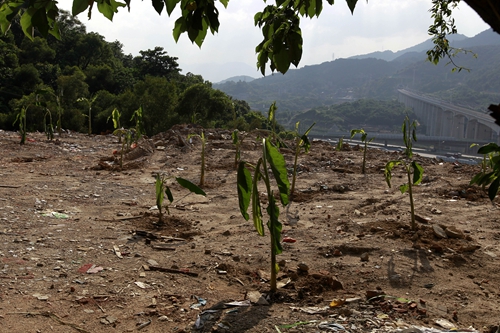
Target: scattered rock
[439, 232]
[256, 297]
[453, 232]
[303, 267]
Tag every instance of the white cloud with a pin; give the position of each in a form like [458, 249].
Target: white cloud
[375, 26]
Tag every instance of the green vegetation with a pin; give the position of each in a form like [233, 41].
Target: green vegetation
[82, 78]
[492, 178]
[248, 191]
[203, 144]
[301, 142]
[163, 189]
[411, 166]
[21, 118]
[364, 139]
[237, 145]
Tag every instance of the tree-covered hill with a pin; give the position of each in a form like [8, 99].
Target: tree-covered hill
[84, 75]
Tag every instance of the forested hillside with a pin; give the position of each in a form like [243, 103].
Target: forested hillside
[83, 74]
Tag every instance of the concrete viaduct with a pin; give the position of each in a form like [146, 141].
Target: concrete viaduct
[443, 119]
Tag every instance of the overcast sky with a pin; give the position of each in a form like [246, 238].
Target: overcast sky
[375, 26]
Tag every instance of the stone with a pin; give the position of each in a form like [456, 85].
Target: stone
[365, 256]
[439, 232]
[256, 298]
[453, 232]
[303, 267]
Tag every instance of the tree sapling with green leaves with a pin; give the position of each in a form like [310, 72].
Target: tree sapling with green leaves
[115, 116]
[203, 143]
[21, 118]
[89, 102]
[412, 168]
[364, 139]
[340, 144]
[237, 144]
[492, 178]
[248, 191]
[301, 142]
[163, 189]
[137, 116]
[47, 126]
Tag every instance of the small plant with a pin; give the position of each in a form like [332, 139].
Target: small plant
[203, 143]
[301, 142]
[89, 105]
[128, 134]
[163, 189]
[364, 139]
[411, 167]
[137, 116]
[115, 116]
[492, 178]
[237, 144]
[59, 112]
[340, 144]
[48, 128]
[21, 118]
[248, 191]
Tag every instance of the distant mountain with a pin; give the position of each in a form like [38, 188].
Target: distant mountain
[242, 78]
[345, 80]
[218, 72]
[390, 55]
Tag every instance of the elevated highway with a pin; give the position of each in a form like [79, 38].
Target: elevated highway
[445, 120]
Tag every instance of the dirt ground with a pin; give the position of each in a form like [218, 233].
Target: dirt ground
[81, 251]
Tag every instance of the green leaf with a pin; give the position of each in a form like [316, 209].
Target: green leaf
[244, 182]
[489, 148]
[40, 21]
[274, 224]
[159, 191]
[352, 5]
[109, 7]
[256, 209]
[278, 167]
[493, 189]
[190, 186]
[403, 188]
[158, 5]
[388, 170]
[272, 111]
[170, 197]
[79, 6]
[234, 136]
[180, 27]
[26, 24]
[418, 173]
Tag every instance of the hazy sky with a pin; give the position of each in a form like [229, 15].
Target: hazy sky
[375, 26]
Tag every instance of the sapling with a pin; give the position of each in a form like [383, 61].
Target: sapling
[89, 102]
[203, 143]
[139, 126]
[248, 191]
[301, 142]
[48, 128]
[163, 189]
[340, 144]
[115, 116]
[128, 135]
[492, 178]
[21, 117]
[411, 166]
[364, 139]
[237, 144]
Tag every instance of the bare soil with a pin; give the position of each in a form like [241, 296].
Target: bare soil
[81, 250]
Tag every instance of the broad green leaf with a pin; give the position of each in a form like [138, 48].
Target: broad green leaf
[159, 191]
[274, 224]
[272, 111]
[190, 186]
[180, 27]
[170, 197]
[476, 179]
[224, 3]
[282, 60]
[55, 31]
[26, 24]
[352, 5]
[403, 188]
[109, 7]
[158, 5]
[489, 148]
[278, 167]
[418, 173]
[171, 4]
[234, 136]
[79, 6]
[388, 169]
[493, 189]
[40, 21]
[244, 182]
[256, 209]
